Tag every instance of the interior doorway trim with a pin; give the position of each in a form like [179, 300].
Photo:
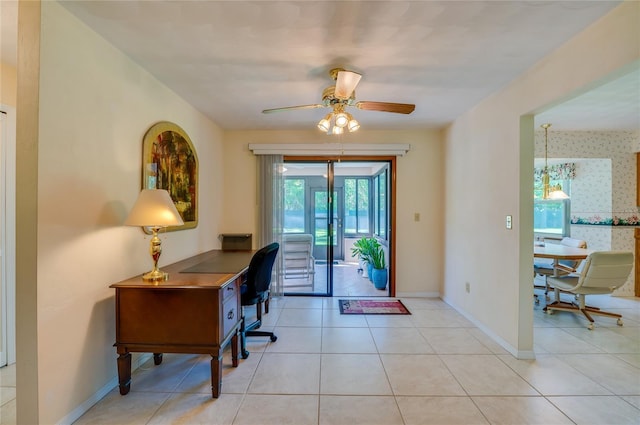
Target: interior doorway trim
[7, 233]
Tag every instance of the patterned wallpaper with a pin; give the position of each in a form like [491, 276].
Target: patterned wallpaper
[603, 193]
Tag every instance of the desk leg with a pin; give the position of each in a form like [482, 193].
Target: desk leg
[234, 349]
[216, 374]
[124, 372]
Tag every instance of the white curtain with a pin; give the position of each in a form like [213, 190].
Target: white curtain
[271, 210]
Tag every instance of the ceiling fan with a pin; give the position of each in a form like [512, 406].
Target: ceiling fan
[341, 95]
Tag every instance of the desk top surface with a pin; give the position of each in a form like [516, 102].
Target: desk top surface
[211, 269]
[562, 252]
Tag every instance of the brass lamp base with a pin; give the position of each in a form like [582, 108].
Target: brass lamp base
[155, 249]
[155, 276]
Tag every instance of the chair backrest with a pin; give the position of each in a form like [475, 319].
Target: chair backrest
[260, 267]
[574, 243]
[298, 242]
[606, 269]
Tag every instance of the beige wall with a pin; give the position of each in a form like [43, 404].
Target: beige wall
[93, 114]
[419, 190]
[489, 159]
[7, 84]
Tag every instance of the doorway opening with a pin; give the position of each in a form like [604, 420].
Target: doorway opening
[328, 205]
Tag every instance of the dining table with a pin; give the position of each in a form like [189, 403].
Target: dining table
[558, 252]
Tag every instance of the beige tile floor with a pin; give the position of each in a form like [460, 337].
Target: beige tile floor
[8, 394]
[347, 282]
[432, 367]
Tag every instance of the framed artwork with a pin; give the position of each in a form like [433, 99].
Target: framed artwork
[169, 162]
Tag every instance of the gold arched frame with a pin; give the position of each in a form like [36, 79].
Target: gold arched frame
[170, 162]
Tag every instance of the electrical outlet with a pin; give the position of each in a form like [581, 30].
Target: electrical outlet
[467, 287]
[509, 222]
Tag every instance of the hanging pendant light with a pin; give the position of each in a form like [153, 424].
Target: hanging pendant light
[549, 192]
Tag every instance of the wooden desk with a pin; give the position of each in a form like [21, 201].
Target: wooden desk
[196, 312]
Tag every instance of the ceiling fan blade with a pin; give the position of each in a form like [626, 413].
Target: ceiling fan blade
[398, 108]
[346, 83]
[291, 108]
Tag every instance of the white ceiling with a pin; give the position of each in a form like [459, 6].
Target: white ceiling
[232, 59]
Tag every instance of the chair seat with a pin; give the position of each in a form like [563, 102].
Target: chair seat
[569, 283]
[543, 263]
[255, 291]
[603, 272]
[543, 268]
[251, 300]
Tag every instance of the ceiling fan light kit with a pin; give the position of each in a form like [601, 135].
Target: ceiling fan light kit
[335, 122]
[340, 96]
[325, 123]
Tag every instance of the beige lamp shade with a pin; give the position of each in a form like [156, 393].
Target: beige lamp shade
[154, 208]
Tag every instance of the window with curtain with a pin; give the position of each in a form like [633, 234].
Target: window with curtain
[271, 209]
[552, 217]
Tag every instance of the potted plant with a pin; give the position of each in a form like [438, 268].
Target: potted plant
[379, 272]
[364, 249]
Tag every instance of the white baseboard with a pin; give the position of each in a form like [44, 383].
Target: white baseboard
[518, 354]
[417, 294]
[75, 414]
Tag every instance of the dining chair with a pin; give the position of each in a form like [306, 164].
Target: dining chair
[255, 291]
[603, 272]
[547, 268]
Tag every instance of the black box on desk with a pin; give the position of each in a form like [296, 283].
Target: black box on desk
[236, 241]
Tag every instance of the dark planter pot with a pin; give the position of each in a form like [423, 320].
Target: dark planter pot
[379, 278]
[370, 271]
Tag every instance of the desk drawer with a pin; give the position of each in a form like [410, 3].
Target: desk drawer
[230, 315]
[230, 291]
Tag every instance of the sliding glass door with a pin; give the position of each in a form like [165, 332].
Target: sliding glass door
[323, 223]
[327, 207]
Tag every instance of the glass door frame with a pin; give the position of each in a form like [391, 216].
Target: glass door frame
[337, 210]
[391, 238]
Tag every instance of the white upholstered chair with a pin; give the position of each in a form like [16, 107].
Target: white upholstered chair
[546, 268]
[603, 272]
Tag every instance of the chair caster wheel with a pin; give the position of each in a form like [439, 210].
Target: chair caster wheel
[244, 354]
[619, 322]
[274, 338]
[590, 327]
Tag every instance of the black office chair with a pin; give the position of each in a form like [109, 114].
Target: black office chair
[255, 291]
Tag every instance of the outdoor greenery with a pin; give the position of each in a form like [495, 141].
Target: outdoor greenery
[356, 218]
[294, 194]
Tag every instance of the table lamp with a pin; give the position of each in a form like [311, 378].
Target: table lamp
[154, 209]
